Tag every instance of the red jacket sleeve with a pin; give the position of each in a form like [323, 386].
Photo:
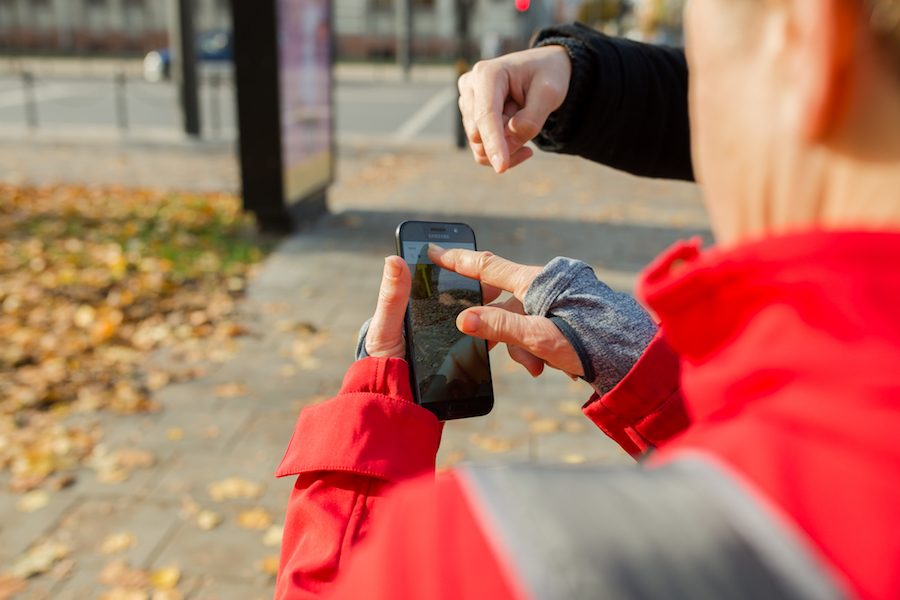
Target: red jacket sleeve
[645, 409]
[347, 452]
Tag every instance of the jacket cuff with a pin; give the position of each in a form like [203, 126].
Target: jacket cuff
[646, 408]
[371, 428]
[560, 123]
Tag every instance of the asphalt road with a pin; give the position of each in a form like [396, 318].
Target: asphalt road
[379, 111]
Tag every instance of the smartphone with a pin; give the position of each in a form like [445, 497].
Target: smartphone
[450, 372]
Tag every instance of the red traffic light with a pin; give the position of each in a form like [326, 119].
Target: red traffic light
[522, 5]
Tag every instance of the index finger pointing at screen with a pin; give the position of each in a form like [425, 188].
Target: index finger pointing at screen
[486, 267]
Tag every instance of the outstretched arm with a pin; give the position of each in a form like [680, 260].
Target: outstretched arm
[626, 106]
[613, 101]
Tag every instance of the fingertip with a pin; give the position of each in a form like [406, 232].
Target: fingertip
[436, 253]
[468, 322]
[497, 162]
[393, 267]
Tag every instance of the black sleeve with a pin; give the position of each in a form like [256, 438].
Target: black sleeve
[627, 104]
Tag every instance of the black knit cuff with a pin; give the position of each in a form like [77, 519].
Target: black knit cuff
[560, 124]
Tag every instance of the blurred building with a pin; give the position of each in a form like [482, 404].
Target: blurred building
[365, 28]
[96, 26]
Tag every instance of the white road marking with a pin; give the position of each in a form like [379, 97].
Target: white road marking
[422, 117]
[16, 97]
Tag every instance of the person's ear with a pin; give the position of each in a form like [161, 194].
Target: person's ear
[827, 35]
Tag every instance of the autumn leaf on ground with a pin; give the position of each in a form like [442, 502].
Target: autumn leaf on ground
[39, 559]
[574, 459]
[570, 408]
[116, 466]
[451, 459]
[273, 535]
[133, 458]
[10, 586]
[491, 443]
[269, 565]
[255, 518]
[234, 488]
[231, 390]
[122, 593]
[541, 426]
[207, 520]
[572, 426]
[120, 574]
[117, 542]
[93, 279]
[165, 578]
[33, 500]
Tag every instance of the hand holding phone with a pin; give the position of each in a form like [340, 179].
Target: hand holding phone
[384, 335]
[532, 340]
[449, 371]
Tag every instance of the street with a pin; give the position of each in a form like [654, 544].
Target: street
[366, 108]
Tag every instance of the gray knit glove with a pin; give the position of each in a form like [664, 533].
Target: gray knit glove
[361, 340]
[608, 330]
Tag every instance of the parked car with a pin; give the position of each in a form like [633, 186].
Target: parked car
[215, 52]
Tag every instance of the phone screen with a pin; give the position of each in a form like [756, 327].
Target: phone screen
[448, 365]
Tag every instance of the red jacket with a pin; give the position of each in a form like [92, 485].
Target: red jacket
[779, 360]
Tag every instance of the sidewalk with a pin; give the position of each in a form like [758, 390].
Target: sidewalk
[219, 438]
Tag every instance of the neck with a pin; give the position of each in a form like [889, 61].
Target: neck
[834, 193]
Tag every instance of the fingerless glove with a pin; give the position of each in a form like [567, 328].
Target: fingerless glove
[608, 330]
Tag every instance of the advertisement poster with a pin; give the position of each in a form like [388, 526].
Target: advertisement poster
[304, 47]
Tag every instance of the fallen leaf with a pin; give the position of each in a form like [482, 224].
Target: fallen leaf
[120, 574]
[38, 559]
[574, 459]
[231, 390]
[273, 536]
[528, 414]
[491, 443]
[234, 488]
[254, 518]
[269, 565]
[542, 426]
[11, 585]
[451, 459]
[117, 542]
[572, 426]
[207, 520]
[60, 482]
[132, 458]
[123, 593]
[175, 433]
[570, 408]
[165, 578]
[33, 500]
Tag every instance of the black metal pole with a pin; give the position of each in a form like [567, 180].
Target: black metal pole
[184, 61]
[215, 117]
[121, 102]
[404, 23]
[31, 116]
[463, 63]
